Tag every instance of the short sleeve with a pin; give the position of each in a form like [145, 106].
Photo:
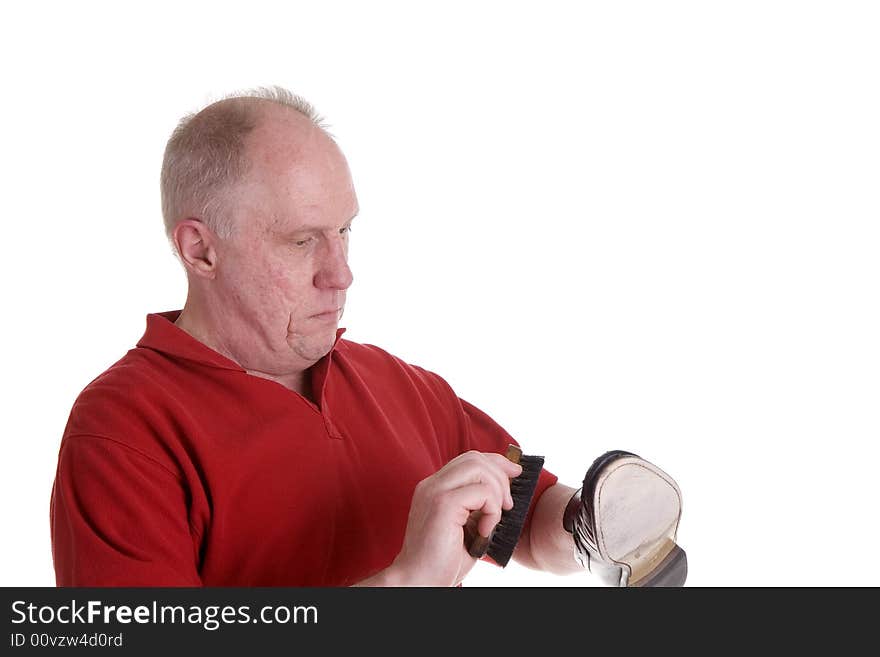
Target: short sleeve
[486, 435]
[119, 518]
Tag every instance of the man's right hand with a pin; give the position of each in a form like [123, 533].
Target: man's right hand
[433, 552]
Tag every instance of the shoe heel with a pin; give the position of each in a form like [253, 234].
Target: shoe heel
[670, 571]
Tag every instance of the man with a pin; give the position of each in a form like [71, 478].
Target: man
[244, 443]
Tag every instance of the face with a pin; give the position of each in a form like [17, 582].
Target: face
[282, 276]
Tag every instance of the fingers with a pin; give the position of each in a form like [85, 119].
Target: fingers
[487, 522]
[480, 497]
[473, 482]
[478, 467]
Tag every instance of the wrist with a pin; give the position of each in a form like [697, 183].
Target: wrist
[573, 523]
[571, 511]
[391, 576]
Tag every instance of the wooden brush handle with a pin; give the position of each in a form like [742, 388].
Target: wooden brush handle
[476, 543]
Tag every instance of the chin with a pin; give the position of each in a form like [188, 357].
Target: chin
[314, 348]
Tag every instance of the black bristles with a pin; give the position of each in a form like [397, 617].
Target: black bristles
[508, 530]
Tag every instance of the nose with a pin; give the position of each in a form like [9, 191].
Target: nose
[333, 271]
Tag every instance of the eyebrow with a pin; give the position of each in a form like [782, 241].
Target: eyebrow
[311, 228]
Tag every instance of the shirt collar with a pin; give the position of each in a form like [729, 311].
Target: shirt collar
[164, 336]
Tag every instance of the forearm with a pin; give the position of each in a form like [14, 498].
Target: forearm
[547, 546]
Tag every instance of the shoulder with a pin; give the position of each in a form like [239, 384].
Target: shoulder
[133, 379]
[128, 405]
[380, 363]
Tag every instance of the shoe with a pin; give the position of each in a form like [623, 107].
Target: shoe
[624, 521]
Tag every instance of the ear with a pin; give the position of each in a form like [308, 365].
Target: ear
[196, 244]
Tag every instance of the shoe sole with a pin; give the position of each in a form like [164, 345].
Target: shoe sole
[624, 488]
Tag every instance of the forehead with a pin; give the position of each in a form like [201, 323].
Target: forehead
[298, 177]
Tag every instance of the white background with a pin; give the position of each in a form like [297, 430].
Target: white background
[640, 225]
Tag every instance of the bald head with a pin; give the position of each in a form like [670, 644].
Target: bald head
[211, 151]
[259, 202]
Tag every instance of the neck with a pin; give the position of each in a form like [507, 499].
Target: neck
[299, 382]
[199, 324]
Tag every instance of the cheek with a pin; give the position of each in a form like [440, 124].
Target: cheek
[280, 280]
[289, 287]
[270, 284]
[287, 272]
[257, 286]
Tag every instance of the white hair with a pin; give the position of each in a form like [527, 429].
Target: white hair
[205, 155]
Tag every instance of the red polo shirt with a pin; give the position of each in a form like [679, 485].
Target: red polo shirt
[177, 467]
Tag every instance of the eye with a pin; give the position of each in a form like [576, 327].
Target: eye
[344, 229]
[305, 242]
